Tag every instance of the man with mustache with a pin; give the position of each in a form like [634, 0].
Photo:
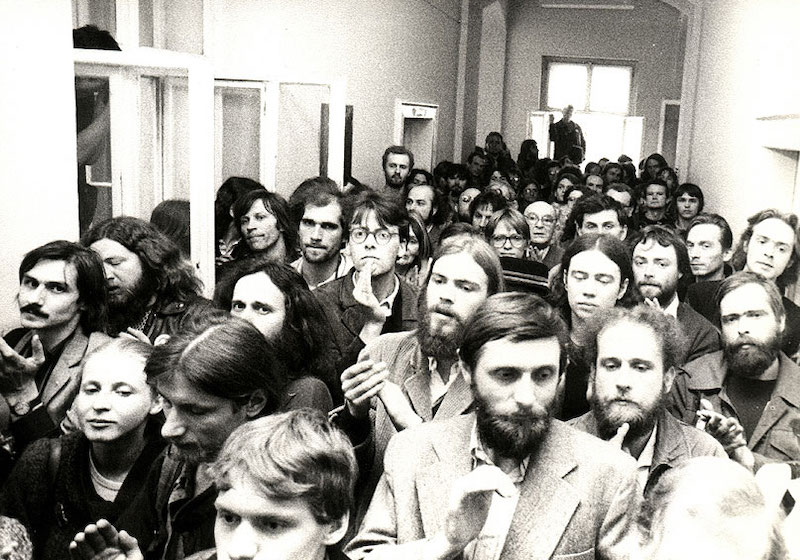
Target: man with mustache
[150, 285]
[507, 480]
[660, 260]
[398, 161]
[748, 394]
[633, 353]
[325, 217]
[406, 378]
[62, 304]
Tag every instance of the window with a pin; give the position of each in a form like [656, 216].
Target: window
[588, 86]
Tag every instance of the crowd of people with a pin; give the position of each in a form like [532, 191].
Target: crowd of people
[490, 360]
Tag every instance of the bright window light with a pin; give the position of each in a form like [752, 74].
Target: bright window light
[610, 89]
[566, 85]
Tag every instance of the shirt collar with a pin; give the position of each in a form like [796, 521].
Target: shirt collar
[388, 301]
[672, 308]
[481, 457]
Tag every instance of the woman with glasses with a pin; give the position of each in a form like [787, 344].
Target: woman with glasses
[509, 233]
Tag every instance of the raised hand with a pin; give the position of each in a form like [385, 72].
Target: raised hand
[361, 382]
[398, 406]
[728, 431]
[102, 541]
[363, 294]
[619, 437]
[18, 371]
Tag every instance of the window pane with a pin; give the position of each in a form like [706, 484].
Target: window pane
[611, 89]
[566, 85]
[241, 122]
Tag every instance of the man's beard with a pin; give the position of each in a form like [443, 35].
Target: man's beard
[440, 345]
[514, 436]
[610, 415]
[322, 255]
[752, 361]
[128, 305]
[394, 180]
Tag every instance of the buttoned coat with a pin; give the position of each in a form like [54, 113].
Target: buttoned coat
[577, 500]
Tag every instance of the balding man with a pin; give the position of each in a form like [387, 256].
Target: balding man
[541, 218]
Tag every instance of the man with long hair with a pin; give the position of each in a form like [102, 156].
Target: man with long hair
[150, 285]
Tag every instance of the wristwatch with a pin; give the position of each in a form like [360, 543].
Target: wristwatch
[22, 407]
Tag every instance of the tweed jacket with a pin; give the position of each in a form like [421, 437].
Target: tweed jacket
[61, 387]
[346, 316]
[577, 500]
[773, 438]
[676, 442]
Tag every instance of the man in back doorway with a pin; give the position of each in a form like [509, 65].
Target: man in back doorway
[398, 161]
[568, 137]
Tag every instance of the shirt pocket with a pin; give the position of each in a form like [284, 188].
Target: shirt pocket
[585, 555]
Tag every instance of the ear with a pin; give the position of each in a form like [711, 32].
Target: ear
[590, 385]
[255, 404]
[623, 232]
[158, 405]
[622, 289]
[669, 379]
[336, 530]
[726, 255]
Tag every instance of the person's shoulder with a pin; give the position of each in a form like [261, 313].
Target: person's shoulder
[698, 442]
[331, 290]
[416, 439]
[588, 450]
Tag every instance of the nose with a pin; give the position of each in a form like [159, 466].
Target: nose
[622, 380]
[173, 426]
[769, 250]
[109, 270]
[525, 393]
[100, 401]
[243, 544]
[37, 295]
[507, 243]
[316, 233]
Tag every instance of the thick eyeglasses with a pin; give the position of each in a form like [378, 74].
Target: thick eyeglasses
[516, 240]
[546, 220]
[382, 236]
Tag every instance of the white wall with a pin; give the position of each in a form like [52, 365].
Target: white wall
[385, 50]
[37, 122]
[491, 75]
[749, 67]
[650, 34]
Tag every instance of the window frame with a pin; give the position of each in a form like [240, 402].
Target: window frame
[590, 63]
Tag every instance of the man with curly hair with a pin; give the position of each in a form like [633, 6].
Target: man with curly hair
[150, 285]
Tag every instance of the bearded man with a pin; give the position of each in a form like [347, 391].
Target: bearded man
[150, 285]
[415, 376]
[507, 481]
[633, 353]
[747, 395]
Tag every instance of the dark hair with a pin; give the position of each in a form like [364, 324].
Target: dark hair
[401, 150]
[161, 258]
[666, 329]
[584, 190]
[227, 358]
[457, 229]
[513, 315]
[612, 248]
[322, 189]
[421, 233]
[171, 217]
[92, 37]
[742, 278]
[591, 204]
[725, 233]
[388, 212]
[665, 237]
[477, 153]
[525, 161]
[90, 280]
[426, 174]
[628, 173]
[303, 344]
[611, 165]
[440, 204]
[488, 198]
[276, 205]
[227, 194]
[739, 258]
[459, 171]
[672, 175]
[296, 455]
[692, 190]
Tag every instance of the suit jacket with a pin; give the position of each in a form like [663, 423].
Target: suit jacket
[773, 438]
[577, 500]
[676, 442]
[346, 316]
[408, 368]
[61, 387]
[702, 336]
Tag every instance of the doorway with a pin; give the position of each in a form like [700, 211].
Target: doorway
[415, 128]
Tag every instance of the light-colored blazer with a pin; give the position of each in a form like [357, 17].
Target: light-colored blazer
[578, 498]
[62, 386]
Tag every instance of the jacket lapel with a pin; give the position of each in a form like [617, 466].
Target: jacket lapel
[66, 367]
[457, 399]
[419, 393]
[435, 481]
[546, 505]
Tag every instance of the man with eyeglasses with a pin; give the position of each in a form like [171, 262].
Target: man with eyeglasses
[541, 218]
[372, 299]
